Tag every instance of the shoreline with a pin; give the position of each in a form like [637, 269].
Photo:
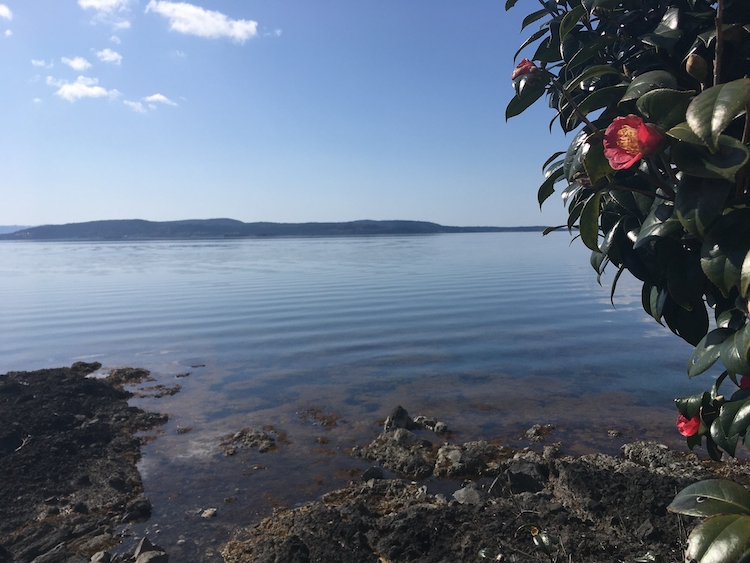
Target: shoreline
[72, 448]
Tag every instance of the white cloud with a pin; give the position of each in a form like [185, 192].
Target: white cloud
[116, 40]
[194, 20]
[37, 100]
[8, 33]
[83, 87]
[104, 5]
[109, 56]
[78, 63]
[5, 12]
[42, 63]
[135, 106]
[160, 98]
[124, 24]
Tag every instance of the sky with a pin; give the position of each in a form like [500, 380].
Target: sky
[284, 110]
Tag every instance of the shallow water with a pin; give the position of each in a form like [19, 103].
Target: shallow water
[490, 332]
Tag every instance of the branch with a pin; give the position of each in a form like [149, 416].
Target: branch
[719, 41]
[574, 105]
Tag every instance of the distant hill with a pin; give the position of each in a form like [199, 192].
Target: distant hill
[11, 228]
[137, 229]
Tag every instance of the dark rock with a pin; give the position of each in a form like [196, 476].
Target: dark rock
[373, 472]
[470, 494]
[399, 418]
[525, 475]
[101, 557]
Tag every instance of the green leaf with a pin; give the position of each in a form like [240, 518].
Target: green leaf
[509, 4]
[660, 222]
[714, 109]
[573, 163]
[521, 102]
[683, 132]
[534, 36]
[724, 250]
[649, 81]
[726, 443]
[722, 164]
[589, 222]
[596, 164]
[707, 351]
[548, 187]
[534, 16]
[548, 230]
[711, 497]
[570, 20]
[691, 406]
[550, 159]
[591, 49]
[667, 33]
[737, 419]
[699, 201]
[734, 351]
[588, 74]
[665, 107]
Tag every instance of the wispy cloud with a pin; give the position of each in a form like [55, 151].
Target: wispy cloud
[5, 12]
[104, 5]
[116, 40]
[37, 62]
[108, 12]
[77, 63]
[159, 98]
[83, 87]
[135, 106]
[194, 20]
[151, 102]
[8, 33]
[109, 56]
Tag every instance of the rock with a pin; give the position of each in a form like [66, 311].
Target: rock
[471, 459]
[399, 418]
[373, 472]
[539, 432]
[527, 476]
[209, 513]
[440, 428]
[645, 531]
[470, 494]
[101, 557]
[153, 557]
[139, 509]
[401, 451]
[144, 546]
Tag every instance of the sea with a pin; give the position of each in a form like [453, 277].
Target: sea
[318, 339]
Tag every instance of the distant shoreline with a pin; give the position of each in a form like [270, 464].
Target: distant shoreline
[137, 229]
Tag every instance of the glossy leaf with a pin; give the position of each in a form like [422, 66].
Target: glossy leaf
[596, 164]
[521, 102]
[648, 81]
[589, 73]
[711, 497]
[735, 350]
[548, 187]
[724, 250]
[589, 222]
[711, 112]
[552, 158]
[661, 222]
[699, 201]
[532, 17]
[665, 107]
[707, 351]
[691, 406]
[726, 443]
[683, 132]
[570, 20]
[722, 164]
[534, 37]
[573, 162]
[690, 325]
[588, 51]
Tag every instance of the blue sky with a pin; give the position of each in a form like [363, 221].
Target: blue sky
[290, 111]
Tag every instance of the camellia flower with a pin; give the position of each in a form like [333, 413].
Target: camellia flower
[744, 382]
[524, 67]
[688, 426]
[628, 139]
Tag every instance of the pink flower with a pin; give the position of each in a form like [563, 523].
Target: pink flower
[524, 67]
[688, 426]
[628, 139]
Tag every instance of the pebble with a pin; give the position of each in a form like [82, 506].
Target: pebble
[209, 513]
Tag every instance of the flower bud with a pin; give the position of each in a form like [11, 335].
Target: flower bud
[697, 67]
[524, 67]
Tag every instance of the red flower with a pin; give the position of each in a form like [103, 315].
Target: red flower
[524, 67]
[628, 139]
[744, 382]
[688, 426]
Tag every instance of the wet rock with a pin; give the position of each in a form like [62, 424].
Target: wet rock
[101, 557]
[399, 418]
[247, 438]
[373, 472]
[153, 557]
[470, 459]
[539, 432]
[209, 513]
[401, 451]
[139, 509]
[470, 494]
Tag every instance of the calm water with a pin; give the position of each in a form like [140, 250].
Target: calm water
[489, 332]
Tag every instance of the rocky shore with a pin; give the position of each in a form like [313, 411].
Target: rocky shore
[68, 451]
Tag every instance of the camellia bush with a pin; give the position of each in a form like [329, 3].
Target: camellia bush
[655, 97]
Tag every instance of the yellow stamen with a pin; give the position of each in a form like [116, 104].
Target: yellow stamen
[627, 139]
